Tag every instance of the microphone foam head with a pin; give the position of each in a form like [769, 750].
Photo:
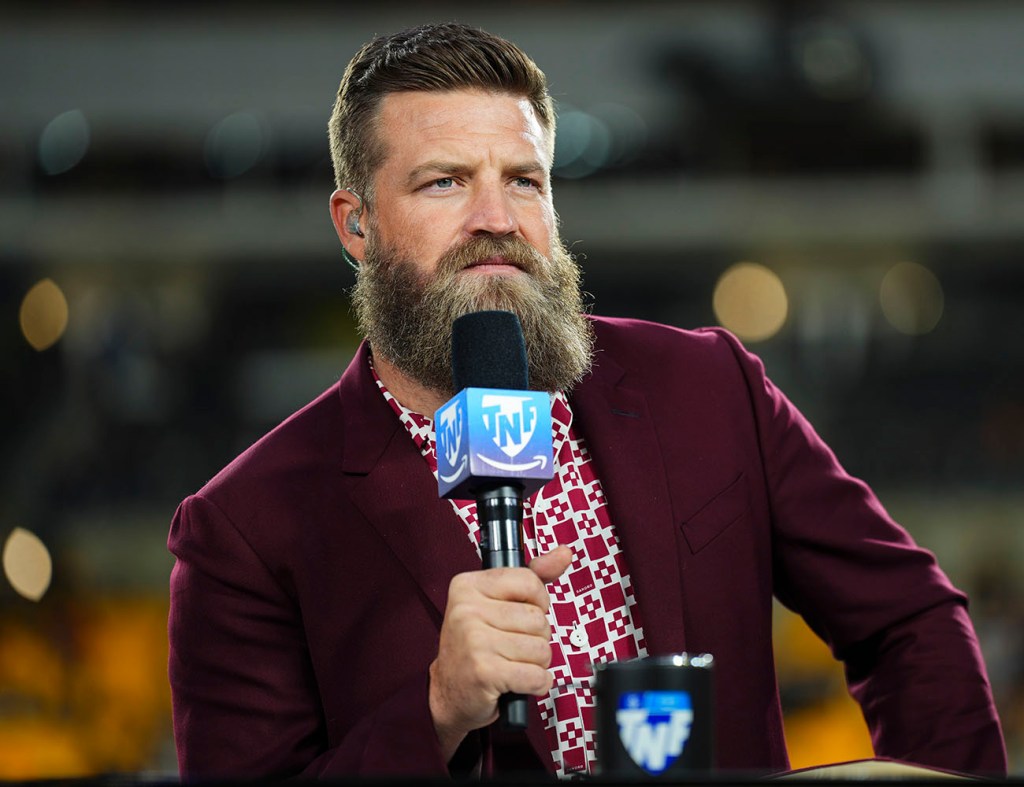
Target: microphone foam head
[488, 351]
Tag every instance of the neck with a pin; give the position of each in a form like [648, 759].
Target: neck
[407, 391]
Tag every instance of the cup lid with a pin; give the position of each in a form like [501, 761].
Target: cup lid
[700, 660]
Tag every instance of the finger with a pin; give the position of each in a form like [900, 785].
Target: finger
[494, 662]
[522, 649]
[516, 617]
[551, 565]
[475, 628]
[510, 584]
[522, 678]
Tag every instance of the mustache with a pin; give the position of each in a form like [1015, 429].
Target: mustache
[512, 250]
[405, 307]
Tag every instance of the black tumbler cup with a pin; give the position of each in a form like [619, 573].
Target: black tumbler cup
[655, 717]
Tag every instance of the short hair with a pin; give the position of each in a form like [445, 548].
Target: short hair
[436, 57]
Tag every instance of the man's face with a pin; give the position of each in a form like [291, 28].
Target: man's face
[461, 164]
[462, 220]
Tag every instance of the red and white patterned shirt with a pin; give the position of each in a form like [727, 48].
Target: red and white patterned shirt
[593, 615]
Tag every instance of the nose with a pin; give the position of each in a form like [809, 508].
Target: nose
[491, 212]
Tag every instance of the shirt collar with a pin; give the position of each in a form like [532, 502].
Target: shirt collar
[420, 427]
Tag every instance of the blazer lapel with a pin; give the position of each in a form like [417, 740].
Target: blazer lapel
[621, 435]
[393, 488]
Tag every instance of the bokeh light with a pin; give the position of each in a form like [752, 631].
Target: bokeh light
[43, 315]
[27, 564]
[912, 298]
[628, 132]
[64, 142]
[751, 301]
[235, 145]
[833, 61]
[583, 144]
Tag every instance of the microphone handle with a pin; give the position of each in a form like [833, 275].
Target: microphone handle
[499, 511]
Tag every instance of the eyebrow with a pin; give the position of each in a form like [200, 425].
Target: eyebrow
[437, 165]
[456, 168]
[528, 168]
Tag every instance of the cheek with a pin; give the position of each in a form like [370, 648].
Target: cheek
[545, 210]
[414, 236]
[540, 227]
[426, 225]
[396, 227]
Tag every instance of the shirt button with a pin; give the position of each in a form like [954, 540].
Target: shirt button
[578, 637]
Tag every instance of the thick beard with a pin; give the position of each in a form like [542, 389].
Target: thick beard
[407, 318]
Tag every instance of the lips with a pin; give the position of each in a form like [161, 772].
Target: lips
[496, 261]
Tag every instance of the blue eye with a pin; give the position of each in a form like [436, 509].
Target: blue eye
[525, 182]
[444, 183]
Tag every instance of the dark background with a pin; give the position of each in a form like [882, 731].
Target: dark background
[167, 170]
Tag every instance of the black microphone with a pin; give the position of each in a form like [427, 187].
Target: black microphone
[494, 444]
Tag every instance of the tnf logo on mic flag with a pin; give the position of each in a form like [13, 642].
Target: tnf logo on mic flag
[654, 726]
[484, 433]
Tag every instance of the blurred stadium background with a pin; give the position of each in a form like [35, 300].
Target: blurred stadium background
[841, 184]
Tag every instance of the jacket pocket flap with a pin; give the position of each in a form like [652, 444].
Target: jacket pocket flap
[714, 516]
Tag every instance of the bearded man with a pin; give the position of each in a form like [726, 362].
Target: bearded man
[328, 612]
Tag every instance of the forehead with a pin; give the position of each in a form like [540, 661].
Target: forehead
[422, 122]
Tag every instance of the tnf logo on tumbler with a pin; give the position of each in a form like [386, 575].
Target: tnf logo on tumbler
[654, 726]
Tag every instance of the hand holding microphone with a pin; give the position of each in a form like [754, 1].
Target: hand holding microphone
[495, 641]
[493, 445]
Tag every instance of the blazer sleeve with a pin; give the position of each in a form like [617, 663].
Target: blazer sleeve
[876, 598]
[245, 696]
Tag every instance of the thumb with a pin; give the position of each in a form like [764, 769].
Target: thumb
[551, 565]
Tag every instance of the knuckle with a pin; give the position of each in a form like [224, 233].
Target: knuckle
[537, 681]
[458, 617]
[524, 580]
[460, 584]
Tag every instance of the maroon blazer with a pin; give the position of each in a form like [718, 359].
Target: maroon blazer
[312, 575]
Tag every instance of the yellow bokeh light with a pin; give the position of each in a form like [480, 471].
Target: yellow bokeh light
[44, 315]
[750, 301]
[27, 564]
[912, 299]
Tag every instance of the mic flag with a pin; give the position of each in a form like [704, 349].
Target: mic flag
[494, 430]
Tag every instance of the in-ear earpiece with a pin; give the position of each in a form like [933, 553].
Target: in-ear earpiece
[352, 224]
[352, 228]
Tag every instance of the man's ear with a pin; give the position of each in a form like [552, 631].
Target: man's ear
[346, 213]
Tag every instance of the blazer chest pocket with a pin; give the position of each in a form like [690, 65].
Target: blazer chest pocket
[714, 516]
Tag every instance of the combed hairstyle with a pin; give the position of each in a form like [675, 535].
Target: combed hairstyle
[438, 57]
